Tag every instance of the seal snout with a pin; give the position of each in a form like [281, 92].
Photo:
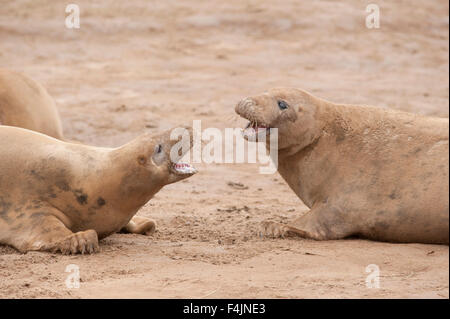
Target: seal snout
[186, 138]
[256, 127]
[245, 106]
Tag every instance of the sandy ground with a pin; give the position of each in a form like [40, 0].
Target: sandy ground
[140, 66]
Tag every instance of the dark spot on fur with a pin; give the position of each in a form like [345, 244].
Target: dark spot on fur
[101, 201]
[81, 197]
[63, 185]
[36, 175]
[392, 195]
[51, 192]
[4, 209]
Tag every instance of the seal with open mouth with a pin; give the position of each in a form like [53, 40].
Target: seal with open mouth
[363, 171]
[59, 196]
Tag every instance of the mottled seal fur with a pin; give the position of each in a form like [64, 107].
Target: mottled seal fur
[59, 196]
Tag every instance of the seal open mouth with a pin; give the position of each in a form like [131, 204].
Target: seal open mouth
[254, 131]
[183, 169]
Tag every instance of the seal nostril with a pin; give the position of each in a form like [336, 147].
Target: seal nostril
[244, 105]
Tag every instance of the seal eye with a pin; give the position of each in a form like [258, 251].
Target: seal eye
[282, 105]
[158, 155]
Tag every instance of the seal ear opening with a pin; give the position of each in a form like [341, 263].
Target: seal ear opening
[142, 160]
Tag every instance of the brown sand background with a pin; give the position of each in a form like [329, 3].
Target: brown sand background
[137, 66]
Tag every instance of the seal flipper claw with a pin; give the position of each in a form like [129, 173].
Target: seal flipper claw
[273, 230]
[277, 230]
[80, 242]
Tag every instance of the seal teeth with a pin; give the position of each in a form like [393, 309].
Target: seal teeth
[184, 168]
[255, 125]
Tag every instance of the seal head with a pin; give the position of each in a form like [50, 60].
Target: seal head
[161, 156]
[289, 110]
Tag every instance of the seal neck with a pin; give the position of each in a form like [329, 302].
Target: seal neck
[307, 166]
[130, 185]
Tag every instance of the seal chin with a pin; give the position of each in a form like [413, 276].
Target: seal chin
[183, 169]
[253, 131]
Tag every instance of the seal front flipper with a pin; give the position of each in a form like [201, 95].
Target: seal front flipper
[140, 225]
[80, 242]
[43, 230]
[278, 230]
[320, 223]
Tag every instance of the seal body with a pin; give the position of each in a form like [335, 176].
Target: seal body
[27, 104]
[60, 196]
[363, 171]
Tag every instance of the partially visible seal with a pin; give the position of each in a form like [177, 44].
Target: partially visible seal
[363, 171]
[58, 196]
[27, 104]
